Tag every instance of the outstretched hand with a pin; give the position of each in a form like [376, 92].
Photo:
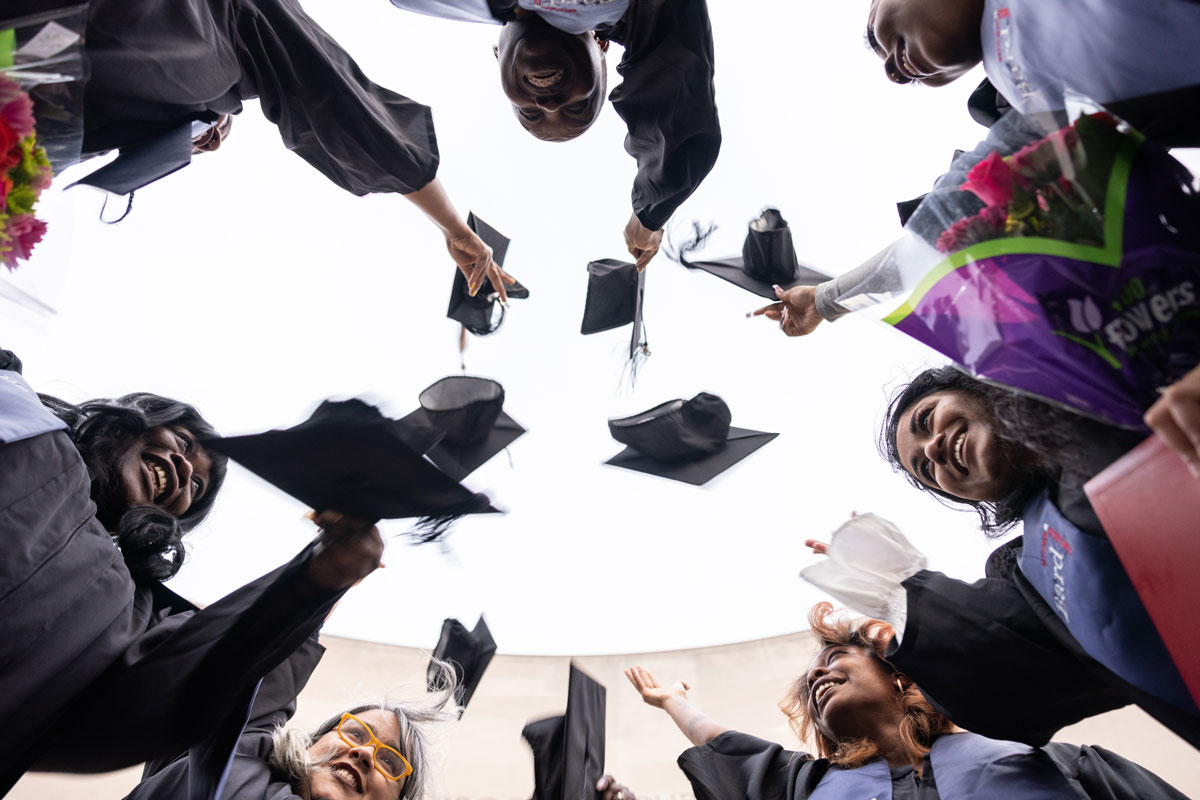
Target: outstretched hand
[474, 260]
[642, 242]
[796, 311]
[818, 548]
[647, 685]
[1175, 417]
[348, 550]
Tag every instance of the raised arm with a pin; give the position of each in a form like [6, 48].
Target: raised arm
[668, 103]
[697, 727]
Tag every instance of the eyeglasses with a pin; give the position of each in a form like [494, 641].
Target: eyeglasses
[387, 760]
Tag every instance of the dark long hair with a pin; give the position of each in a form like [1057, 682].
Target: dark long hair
[920, 723]
[1042, 441]
[151, 539]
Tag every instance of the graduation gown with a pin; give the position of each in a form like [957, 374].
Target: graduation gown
[157, 65]
[667, 98]
[132, 669]
[250, 776]
[736, 765]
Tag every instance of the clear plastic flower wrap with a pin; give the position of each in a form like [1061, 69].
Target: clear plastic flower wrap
[43, 54]
[1060, 258]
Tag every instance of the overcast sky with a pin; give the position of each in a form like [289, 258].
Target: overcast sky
[253, 288]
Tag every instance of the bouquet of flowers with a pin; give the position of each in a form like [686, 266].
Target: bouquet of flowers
[24, 173]
[1068, 268]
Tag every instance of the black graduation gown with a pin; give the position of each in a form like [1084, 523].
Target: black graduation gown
[668, 102]
[250, 776]
[131, 669]
[156, 64]
[736, 765]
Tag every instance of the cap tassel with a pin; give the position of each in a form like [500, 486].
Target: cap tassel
[697, 240]
[435, 527]
[462, 348]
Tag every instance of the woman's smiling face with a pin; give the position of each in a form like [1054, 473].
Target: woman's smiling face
[349, 772]
[928, 41]
[947, 441]
[850, 693]
[165, 468]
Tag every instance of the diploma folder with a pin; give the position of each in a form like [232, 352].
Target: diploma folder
[1149, 505]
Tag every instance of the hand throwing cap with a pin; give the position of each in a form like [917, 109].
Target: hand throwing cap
[468, 651]
[690, 441]
[469, 414]
[568, 751]
[768, 258]
[348, 457]
[614, 299]
[482, 314]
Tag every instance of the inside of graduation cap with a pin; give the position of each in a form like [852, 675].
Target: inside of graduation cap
[348, 457]
[465, 408]
[568, 750]
[768, 252]
[612, 295]
[482, 314]
[677, 430]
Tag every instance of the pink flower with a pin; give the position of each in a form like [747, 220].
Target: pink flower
[24, 230]
[15, 107]
[990, 180]
[987, 224]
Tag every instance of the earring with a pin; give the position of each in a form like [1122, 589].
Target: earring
[900, 686]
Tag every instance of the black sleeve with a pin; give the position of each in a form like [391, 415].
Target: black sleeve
[668, 102]
[1104, 775]
[963, 640]
[188, 680]
[736, 765]
[360, 135]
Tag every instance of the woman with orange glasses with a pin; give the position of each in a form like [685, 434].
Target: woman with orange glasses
[371, 752]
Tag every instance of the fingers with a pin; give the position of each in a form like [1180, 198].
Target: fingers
[778, 291]
[494, 275]
[1175, 417]
[643, 257]
[772, 311]
[475, 280]
[641, 678]
[820, 548]
[611, 790]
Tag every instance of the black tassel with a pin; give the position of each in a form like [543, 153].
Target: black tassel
[435, 527]
[697, 240]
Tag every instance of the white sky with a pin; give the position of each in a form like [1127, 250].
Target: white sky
[253, 288]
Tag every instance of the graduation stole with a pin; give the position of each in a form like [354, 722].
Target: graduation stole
[959, 760]
[1083, 289]
[1081, 578]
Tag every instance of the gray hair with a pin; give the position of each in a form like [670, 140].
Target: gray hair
[416, 719]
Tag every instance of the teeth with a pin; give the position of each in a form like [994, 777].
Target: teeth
[161, 475]
[958, 445]
[822, 690]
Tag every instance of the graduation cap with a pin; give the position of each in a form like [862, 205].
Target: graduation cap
[614, 299]
[482, 314]
[568, 750]
[468, 415]
[142, 164]
[468, 652]
[768, 258]
[348, 457]
[689, 441]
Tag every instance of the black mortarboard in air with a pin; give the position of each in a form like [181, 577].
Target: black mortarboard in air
[768, 258]
[689, 441]
[482, 314]
[469, 414]
[614, 298]
[348, 457]
[142, 164]
[568, 751]
[468, 651]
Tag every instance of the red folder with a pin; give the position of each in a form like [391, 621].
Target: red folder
[1149, 505]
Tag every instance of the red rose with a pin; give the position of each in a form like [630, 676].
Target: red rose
[991, 180]
[10, 148]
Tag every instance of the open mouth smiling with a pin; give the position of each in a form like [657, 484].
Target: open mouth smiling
[159, 477]
[347, 775]
[905, 65]
[821, 690]
[544, 79]
[956, 452]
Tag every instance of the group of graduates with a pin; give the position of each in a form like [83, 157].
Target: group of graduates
[96, 497]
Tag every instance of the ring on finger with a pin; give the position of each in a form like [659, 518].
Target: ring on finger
[620, 795]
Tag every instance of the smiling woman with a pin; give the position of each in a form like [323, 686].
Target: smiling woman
[877, 736]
